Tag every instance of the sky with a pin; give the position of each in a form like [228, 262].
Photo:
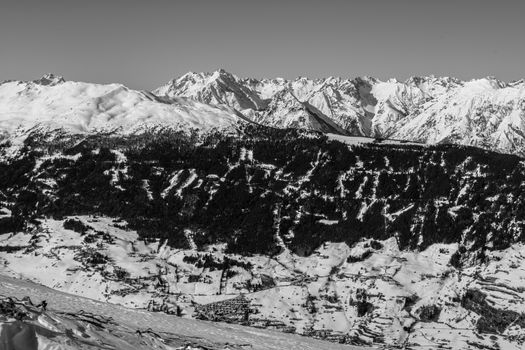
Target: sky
[145, 43]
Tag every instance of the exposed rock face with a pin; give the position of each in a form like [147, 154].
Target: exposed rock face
[50, 79]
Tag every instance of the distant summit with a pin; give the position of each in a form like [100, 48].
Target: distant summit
[50, 79]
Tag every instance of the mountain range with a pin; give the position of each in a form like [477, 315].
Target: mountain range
[485, 113]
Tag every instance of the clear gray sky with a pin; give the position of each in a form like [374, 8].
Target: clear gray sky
[145, 43]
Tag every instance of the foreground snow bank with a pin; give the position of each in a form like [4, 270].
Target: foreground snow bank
[122, 322]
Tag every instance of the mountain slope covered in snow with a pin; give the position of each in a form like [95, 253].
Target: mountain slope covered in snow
[73, 322]
[485, 113]
[53, 103]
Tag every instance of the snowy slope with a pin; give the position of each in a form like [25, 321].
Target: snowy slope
[74, 322]
[485, 113]
[79, 107]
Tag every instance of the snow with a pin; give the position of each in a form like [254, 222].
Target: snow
[301, 103]
[483, 112]
[83, 107]
[328, 222]
[216, 335]
[174, 180]
[159, 274]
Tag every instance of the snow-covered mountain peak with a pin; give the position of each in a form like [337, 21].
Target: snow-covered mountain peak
[221, 73]
[392, 81]
[219, 87]
[432, 80]
[50, 79]
[204, 77]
